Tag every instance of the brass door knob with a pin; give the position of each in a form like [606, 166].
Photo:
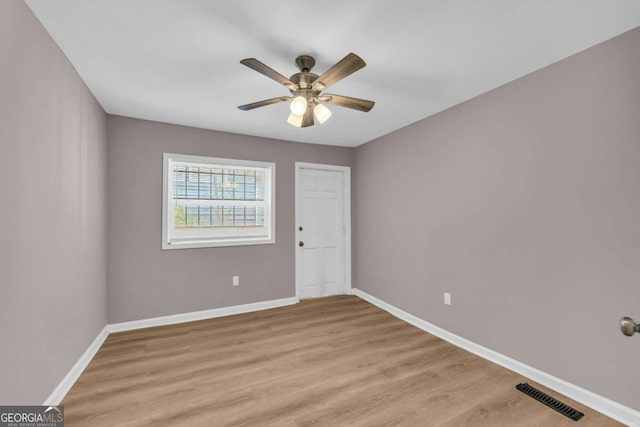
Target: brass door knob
[301, 243]
[628, 326]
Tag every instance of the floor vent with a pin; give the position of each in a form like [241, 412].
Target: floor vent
[552, 403]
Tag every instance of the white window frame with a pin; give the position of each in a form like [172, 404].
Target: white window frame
[231, 239]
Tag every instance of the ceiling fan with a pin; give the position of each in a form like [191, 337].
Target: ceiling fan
[306, 89]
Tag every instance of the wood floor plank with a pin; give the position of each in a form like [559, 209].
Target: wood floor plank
[336, 361]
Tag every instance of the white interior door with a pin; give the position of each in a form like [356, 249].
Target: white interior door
[321, 256]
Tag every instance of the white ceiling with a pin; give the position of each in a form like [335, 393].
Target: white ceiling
[177, 61]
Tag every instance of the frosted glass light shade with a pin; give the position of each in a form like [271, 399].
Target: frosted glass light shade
[295, 119]
[298, 105]
[321, 112]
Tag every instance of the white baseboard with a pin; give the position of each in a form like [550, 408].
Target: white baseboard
[601, 404]
[72, 376]
[74, 373]
[200, 315]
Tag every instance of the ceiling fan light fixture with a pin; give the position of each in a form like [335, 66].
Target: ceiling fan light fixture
[298, 105]
[295, 120]
[321, 112]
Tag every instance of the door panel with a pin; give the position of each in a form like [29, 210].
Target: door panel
[330, 265]
[310, 276]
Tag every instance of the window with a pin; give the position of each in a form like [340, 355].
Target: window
[209, 202]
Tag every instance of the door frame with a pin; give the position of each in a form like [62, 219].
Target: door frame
[346, 195]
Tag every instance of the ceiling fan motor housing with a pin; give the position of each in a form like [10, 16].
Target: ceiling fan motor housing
[304, 80]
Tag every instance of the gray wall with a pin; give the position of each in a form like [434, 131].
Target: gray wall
[145, 281]
[524, 203]
[52, 214]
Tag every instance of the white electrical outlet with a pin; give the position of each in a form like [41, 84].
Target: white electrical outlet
[236, 280]
[447, 298]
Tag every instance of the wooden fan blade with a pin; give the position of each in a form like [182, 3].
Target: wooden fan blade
[258, 66]
[348, 102]
[307, 119]
[346, 66]
[263, 103]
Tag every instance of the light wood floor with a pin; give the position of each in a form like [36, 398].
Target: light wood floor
[326, 362]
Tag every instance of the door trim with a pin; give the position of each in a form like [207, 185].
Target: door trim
[346, 194]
